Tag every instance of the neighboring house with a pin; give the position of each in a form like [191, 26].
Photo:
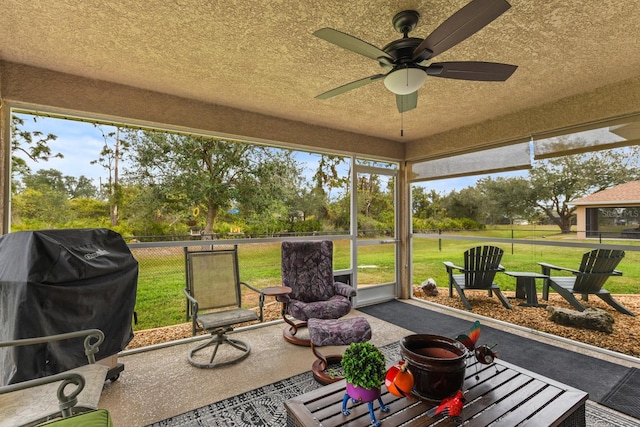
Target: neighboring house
[612, 213]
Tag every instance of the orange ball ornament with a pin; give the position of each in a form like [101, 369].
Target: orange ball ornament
[399, 380]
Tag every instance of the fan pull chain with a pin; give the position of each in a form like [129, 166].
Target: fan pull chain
[402, 124]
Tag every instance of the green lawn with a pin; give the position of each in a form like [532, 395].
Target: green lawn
[160, 301]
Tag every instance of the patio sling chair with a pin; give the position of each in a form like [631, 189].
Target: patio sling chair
[595, 269]
[307, 268]
[480, 267]
[70, 396]
[214, 303]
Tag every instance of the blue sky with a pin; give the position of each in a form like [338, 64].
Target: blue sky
[81, 142]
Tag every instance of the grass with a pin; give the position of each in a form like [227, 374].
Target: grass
[160, 299]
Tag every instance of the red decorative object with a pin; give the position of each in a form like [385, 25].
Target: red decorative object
[450, 407]
[399, 380]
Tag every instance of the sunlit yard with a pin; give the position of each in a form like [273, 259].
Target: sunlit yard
[160, 299]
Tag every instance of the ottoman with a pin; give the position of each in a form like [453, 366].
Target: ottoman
[323, 332]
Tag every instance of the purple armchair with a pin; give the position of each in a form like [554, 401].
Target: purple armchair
[307, 268]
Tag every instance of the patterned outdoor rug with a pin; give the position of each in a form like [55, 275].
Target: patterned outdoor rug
[624, 396]
[264, 406]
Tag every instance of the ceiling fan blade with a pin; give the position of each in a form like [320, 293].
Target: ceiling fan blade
[353, 44]
[461, 25]
[469, 70]
[407, 102]
[349, 86]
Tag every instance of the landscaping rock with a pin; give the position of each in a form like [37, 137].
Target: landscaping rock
[429, 287]
[591, 318]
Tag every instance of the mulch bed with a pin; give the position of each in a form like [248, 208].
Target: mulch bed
[624, 339]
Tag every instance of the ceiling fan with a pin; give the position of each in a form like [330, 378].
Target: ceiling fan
[408, 59]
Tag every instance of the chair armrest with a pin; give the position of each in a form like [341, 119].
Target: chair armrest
[193, 302]
[344, 289]
[260, 300]
[250, 287]
[33, 401]
[283, 298]
[37, 394]
[546, 268]
[66, 401]
[90, 349]
[451, 266]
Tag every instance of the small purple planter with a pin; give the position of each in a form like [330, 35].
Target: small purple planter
[359, 394]
[362, 394]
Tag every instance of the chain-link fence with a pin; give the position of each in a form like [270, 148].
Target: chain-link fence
[161, 279]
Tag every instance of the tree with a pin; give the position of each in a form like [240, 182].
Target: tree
[426, 205]
[110, 156]
[556, 182]
[327, 175]
[466, 203]
[34, 145]
[210, 174]
[44, 197]
[80, 188]
[506, 198]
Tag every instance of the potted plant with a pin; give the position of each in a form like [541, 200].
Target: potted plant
[364, 368]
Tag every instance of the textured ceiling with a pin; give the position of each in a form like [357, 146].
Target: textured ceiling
[262, 56]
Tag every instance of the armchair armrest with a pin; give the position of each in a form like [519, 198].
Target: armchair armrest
[283, 298]
[344, 289]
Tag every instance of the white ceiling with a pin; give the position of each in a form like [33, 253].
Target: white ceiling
[262, 56]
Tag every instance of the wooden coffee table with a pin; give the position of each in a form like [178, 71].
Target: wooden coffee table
[503, 392]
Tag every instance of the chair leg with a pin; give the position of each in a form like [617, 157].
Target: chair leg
[463, 297]
[290, 331]
[321, 364]
[502, 299]
[545, 289]
[567, 295]
[615, 304]
[216, 340]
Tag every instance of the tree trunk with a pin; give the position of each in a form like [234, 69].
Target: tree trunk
[211, 217]
[115, 190]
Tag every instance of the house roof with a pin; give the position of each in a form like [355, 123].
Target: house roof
[623, 194]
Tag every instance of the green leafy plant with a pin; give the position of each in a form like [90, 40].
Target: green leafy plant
[364, 365]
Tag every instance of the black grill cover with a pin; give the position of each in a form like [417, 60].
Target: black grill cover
[57, 281]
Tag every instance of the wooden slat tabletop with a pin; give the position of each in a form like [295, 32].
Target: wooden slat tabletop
[502, 395]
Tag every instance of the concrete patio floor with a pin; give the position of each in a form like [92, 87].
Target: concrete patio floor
[159, 383]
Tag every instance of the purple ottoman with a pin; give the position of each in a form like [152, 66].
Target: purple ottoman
[325, 332]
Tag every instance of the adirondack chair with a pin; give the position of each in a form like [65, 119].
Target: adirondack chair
[480, 267]
[595, 269]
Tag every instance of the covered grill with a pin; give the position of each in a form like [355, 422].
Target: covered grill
[57, 281]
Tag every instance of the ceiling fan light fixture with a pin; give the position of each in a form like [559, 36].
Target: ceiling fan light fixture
[404, 81]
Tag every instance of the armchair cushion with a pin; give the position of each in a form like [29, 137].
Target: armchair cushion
[333, 308]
